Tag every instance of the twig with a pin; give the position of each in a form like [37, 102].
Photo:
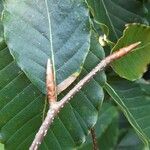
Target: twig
[94, 139]
[56, 106]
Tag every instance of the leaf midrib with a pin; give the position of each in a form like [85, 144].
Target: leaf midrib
[50, 37]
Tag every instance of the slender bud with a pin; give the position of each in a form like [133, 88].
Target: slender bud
[50, 83]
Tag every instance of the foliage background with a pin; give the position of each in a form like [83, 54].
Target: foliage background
[25, 45]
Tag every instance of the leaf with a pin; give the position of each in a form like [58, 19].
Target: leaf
[109, 139]
[21, 106]
[37, 30]
[1, 146]
[116, 13]
[134, 103]
[145, 86]
[1, 26]
[147, 8]
[133, 65]
[106, 129]
[130, 142]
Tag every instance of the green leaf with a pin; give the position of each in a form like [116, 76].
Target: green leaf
[134, 103]
[37, 30]
[109, 139]
[106, 129]
[147, 8]
[1, 25]
[133, 65]
[130, 142]
[116, 13]
[145, 86]
[22, 104]
[1, 146]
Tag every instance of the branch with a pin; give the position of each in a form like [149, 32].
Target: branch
[55, 106]
[94, 139]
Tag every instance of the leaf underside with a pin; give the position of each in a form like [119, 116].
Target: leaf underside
[133, 65]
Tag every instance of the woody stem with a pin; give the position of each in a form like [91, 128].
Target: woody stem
[55, 106]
